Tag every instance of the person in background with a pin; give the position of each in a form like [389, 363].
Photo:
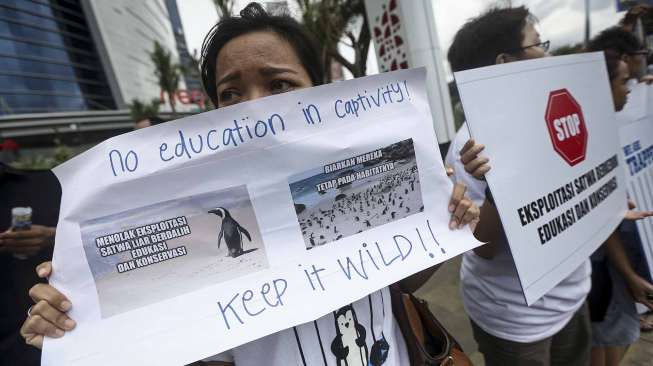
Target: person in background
[555, 330]
[626, 45]
[615, 284]
[243, 59]
[21, 250]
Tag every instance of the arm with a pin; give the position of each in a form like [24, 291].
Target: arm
[488, 230]
[27, 242]
[48, 315]
[640, 289]
[413, 283]
[463, 211]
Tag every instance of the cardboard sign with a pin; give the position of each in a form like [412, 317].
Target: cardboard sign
[550, 133]
[636, 134]
[185, 239]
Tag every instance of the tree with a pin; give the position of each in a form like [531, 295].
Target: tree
[167, 72]
[331, 22]
[142, 110]
[224, 7]
[568, 49]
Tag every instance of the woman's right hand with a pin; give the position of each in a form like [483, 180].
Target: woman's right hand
[48, 315]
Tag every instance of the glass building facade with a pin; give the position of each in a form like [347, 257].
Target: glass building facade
[48, 60]
[192, 76]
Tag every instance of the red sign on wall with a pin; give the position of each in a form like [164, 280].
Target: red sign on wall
[566, 125]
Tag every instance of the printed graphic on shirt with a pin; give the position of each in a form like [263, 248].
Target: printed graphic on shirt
[152, 253]
[349, 335]
[357, 193]
[349, 345]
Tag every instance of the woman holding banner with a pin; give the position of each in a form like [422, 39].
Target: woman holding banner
[246, 58]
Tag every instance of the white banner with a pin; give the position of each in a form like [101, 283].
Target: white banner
[189, 238]
[636, 133]
[550, 133]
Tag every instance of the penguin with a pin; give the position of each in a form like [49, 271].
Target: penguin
[349, 344]
[231, 231]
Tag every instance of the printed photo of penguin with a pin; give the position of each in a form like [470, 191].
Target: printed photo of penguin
[356, 193]
[152, 253]
[231, 231]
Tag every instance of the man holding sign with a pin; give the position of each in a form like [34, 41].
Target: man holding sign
[535, 314]
[315, 211]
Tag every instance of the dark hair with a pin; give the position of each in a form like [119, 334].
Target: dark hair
[254, 18]
[482, 39]
[617, 39]
[612, 60]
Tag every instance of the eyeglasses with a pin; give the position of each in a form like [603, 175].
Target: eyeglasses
[543, 45]
[640, 53]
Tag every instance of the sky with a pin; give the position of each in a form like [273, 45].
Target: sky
[560, 21]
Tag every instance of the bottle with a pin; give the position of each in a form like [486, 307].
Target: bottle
[21, 219]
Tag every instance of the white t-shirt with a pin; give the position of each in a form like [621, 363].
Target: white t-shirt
[491, 291]
[361, 334]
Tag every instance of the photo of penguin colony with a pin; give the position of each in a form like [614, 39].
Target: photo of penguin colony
[367, 203]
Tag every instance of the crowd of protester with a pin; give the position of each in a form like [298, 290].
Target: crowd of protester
[590, 317]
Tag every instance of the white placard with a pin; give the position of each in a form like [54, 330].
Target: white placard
[636, 134]
[189, 238]
[550, 133]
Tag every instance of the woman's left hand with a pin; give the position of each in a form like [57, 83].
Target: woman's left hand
[463, 210]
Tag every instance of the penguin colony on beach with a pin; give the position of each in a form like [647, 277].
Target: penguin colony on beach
[379, 200]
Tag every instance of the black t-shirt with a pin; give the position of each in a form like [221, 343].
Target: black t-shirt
[41, 191]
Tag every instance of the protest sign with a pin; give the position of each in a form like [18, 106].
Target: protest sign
[185, 239]
[636, 134]
[550, 133]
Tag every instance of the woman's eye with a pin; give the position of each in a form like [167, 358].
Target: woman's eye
[280, 86]
[228, 95]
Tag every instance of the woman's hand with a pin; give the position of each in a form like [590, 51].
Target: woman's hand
[463, 210]
[475, 164]
[48, 315]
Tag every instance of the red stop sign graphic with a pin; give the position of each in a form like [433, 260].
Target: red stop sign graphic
[566, 125]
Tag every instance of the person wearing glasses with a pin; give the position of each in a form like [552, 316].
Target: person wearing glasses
[556, 329]
[629, 48]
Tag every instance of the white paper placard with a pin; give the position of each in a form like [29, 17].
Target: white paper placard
[636, 134]
[189, 238]
[550, 133]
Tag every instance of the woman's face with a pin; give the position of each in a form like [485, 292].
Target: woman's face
[256, 65]
[620, 88]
